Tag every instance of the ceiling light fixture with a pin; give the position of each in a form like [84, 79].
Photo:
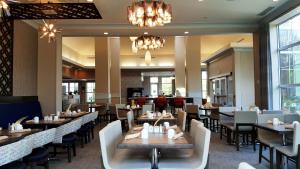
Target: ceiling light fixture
[49, 30]
[105, 33]
[149, 42]
[145, 33]
[186, 32]
[4, 8]
[148, 57]
[133, 46]
[149, 13]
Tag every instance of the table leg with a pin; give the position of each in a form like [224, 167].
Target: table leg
[154, 160]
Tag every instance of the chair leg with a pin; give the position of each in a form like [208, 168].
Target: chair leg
[278, 160]
[221, 132]
[260, 153]
[74, 149]
[46, 164]
[271, 157]
[82, 141]
[92, 131]
[69, 153]
[237, 140]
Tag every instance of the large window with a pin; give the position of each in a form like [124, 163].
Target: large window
[90, 91]
[289, 63]
[166, 85]
[70, 87]
[160, 84]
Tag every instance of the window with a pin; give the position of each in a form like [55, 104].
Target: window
[90, 91]
[166, 85]
[204, 84]
[70, 87]
[288, 34]
[154, 86]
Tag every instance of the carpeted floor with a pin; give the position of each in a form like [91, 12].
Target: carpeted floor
[222, 156]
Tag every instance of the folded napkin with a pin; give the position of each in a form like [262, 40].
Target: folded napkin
[178, 135]
[20, 131]
[172, 127]
[289, 126]
[3, 137]
[138, 128]
[132, 136]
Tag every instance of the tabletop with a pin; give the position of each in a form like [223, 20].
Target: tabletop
[229, 114]
[146, 118]
[46, 123]
[280, 129]
[208, 108]
[157, 140]
[73, 116]
[13, 137]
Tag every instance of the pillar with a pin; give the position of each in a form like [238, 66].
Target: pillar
[193, 68]
[115, 71]
[180, 55]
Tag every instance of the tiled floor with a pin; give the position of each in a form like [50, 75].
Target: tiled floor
[222, 156]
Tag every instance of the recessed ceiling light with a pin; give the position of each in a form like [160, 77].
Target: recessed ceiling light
[200, 0]
[90, 0]
[186, 32]
[275, 0]
[105, 33]
[145, 33]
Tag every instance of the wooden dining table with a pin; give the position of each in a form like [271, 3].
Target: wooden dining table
[279, 129]
[207, 109]
[151, 120]
[135, 110]
[155, 142]
[228, 114]
[46, 124]
[16, 136]
[73, 116]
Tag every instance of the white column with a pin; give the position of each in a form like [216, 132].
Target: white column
[115, 71]
[180, 55]
[193, 69]
[49, 75]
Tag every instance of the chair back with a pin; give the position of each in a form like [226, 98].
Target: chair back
[192, 108]
[264, 134]
[244, 117]
[245, 166]
[130, 119]
[272, 112]
[141, 101]
[42, 138]
[119, 106]
[15, 151]
[194, 124]
[178, 102]
[147, 107]
[161, 102]
[85, 119]
[82, 107]
[296, 138]
[66, 129]
[202, 141]
[291, 117]
[181, 119]
[214, 114]
[109, 138]
[112, 109]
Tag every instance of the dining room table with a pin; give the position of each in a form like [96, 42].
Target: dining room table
[95, 106]
[46, 124]
[228, 114]
[207, 109]
[282, 129]
[8, 137]
[73, 115]
[144, 118]
[155, 142]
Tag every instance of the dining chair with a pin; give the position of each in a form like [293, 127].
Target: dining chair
[112, 113]
[114, 158]
[84, 132]
[181, 119]
[193, 112]
[161, 103]
[141, 101]
[291, 117]
[11, 154]
[65, 137]
[147, 107]
[291, 151]
[267, 138]
[121, 114]
[244, 165]
[194, 124]
[130, 119]
[225, 119]
[243, 124]
[214, 119]
[40, 154]
[199, 157]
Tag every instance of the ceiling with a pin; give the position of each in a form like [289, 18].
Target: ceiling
[206, 17]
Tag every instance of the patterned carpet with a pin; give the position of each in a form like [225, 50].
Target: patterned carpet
[222, 156]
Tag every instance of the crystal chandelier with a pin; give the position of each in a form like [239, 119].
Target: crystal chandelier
[149, 13]
[148, 57]
[4, 9]
[149, 42]
[49, 30]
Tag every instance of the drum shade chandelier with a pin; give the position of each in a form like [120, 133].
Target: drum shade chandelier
[149, 13]
[149, 42]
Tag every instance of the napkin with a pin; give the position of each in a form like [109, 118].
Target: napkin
[3, 137]
[132, 136]
[172, 127]
[20, 131]
[178, 135]
[138, 128]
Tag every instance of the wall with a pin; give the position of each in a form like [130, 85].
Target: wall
[25, 60]
[221, 65]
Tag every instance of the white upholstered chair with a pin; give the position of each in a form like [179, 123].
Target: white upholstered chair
[114, 158]
[181, 119]
[244, 165]
[147, 107]
[199, 158]
[194, 124]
